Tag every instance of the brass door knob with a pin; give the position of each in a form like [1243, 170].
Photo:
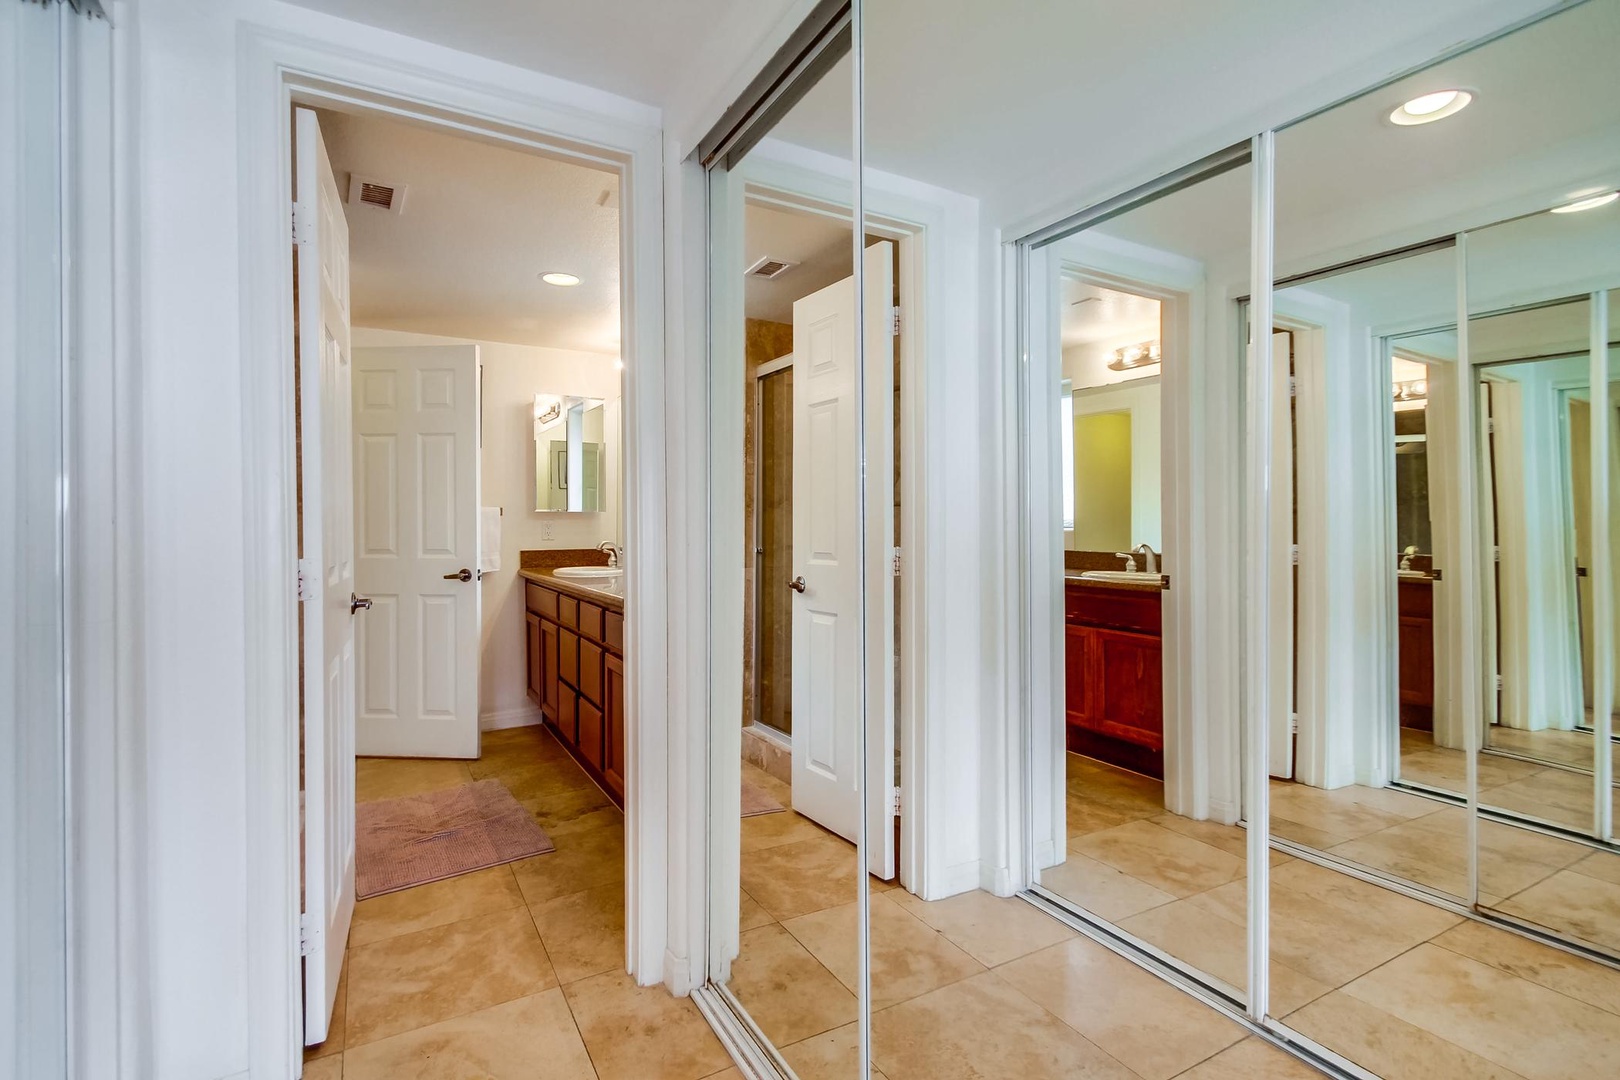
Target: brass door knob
[797, 584]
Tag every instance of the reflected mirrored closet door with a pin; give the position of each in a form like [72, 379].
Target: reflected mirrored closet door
[1135, 773]
[788, 802]
[1540, 342]
[1453, 640]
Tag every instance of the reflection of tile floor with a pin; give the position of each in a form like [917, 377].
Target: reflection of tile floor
[1399, 986]
[1558, 795]
[514, 971]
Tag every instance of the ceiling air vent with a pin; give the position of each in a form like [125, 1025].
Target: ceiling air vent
[768, 267]
[367, 191]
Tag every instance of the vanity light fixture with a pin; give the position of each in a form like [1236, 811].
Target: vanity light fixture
[1132, 357]
[1590, 202]
[566, 281]
[1412, 390]
[1428, 108]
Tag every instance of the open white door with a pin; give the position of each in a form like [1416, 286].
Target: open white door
[1280, 732]
[416, 497]
[327, 573]
[828, 563]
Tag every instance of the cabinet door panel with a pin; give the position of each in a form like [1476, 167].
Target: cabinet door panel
[590, 672]
[550, 701]
[535, 666]
[613, 728]
[590, 733]
[1130, 692]
[568, 657]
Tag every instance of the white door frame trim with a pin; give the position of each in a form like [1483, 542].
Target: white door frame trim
[273, 66]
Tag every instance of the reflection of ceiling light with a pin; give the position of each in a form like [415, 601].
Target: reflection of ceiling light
[1412, 390]
[1135, 356]
[1431, 107]
[565, 280]
[1591, 202]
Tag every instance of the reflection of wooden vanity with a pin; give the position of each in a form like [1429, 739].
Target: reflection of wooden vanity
[1114, 665]
[1415, 604]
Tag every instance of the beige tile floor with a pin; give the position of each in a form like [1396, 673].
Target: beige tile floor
[1402, 987]
[1559, 791]
[974, 986]
[512, 972]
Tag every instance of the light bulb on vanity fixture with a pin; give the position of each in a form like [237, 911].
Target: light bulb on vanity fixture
[1132, 357]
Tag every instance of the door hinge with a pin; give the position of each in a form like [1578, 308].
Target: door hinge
[896, 562]
[896, 802]
[307, 934]
[1293, 723]
[1490, 425]
[1498, 680]
[1293, 387]
[306, 579]
[1293, 554]
[894, 323]
[300, 226]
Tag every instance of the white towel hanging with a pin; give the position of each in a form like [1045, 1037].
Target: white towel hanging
[489, 539]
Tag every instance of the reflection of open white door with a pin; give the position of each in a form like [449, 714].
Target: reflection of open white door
[416, 495]
[827, 755]
[1280, 733]
[327, 572]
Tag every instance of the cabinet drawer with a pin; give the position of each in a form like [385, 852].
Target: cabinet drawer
[590, 671]
[542, 601]
[590, 621]
[615, 632]
[568, 612]
[590, 733]
[568, 657]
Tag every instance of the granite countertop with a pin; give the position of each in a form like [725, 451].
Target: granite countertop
[1154, 584]
[574, 587]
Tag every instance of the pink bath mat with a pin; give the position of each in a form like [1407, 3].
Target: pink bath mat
[423, 838]
[756, 800]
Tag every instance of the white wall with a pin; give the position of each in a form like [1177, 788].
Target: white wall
[512, 375]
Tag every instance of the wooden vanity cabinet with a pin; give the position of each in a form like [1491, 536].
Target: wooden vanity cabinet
[576, 676]
[1114, 675]
[1416, 643]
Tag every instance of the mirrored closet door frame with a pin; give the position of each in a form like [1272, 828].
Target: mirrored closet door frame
[1038, 806]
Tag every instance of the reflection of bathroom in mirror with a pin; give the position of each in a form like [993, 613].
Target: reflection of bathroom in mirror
[1110, 427]
[570, 453]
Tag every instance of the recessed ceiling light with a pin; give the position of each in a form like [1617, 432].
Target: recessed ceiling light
[1591, 202]
[565, 280]
[1431, 107]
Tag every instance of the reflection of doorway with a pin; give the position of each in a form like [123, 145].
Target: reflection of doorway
[798, 256]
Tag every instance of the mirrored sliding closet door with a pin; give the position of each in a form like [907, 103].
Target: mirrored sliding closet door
[1445, 247]
[789, 411]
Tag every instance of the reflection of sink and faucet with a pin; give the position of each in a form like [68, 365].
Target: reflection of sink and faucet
[1130, 575]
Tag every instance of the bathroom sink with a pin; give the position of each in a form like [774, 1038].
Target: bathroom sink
[590, 573]
[1123, 577]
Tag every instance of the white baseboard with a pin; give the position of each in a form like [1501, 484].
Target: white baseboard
[523, 716]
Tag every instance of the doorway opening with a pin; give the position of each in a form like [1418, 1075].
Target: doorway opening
[461, 506]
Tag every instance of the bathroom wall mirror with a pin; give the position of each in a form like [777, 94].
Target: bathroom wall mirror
[571, 453]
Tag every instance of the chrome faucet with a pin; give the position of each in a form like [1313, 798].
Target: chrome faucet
[1149, 557]
[615, 553]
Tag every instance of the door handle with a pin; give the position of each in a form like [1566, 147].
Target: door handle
[797, 584]
[359, 603]
[463, 574]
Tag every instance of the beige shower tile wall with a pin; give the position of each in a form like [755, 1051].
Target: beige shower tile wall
[764, 341]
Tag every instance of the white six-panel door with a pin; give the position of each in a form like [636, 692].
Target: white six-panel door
[327, 572]
[827, 556]
[416, 505]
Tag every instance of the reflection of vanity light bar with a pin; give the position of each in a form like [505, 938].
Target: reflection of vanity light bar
[550, 414]
[1135, 356]
[1412, 390]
